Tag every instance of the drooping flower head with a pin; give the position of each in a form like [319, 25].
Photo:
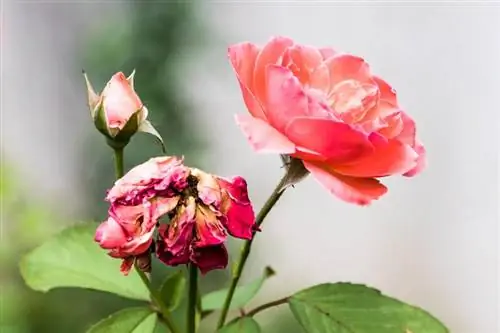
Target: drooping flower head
[328, 110]
[203, 209]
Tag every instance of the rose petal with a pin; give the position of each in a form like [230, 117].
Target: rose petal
[360, 191]
[110, 234]
[421, 161]
[179, 233]
[242, 57]
[262, 137]
[209, 230]
[303, 60]
[271, 54]
[126, 265]
[327, 52]
[408, 133]
[119, 101]
[237, 209]
[333, 140]
[210, 258]
[345, 67]
[388, 157]
[387, 93]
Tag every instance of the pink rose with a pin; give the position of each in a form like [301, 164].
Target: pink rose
[326, 109]
[203, 209]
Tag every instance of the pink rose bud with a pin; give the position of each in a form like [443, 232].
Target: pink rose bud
[118, 112]
[329, 111]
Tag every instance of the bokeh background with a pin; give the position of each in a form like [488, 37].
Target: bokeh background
[431, 241]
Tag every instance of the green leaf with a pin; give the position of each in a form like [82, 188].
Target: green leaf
[146, 127]
[131, 320]
[241, 325]
[172, 289]
[73, 259]
[353, 308]
[242, 294]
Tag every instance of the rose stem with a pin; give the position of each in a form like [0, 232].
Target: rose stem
[245, 250]
[165, 313]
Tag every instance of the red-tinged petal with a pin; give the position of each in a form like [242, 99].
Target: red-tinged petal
[271, 54]
[209, 231]
[393, 126]
[178, 234]
[359, 191]
[303, 61]
[320, 79]
[287, 99]
[327, 52]
[243, 57]
[237, 210]
[119, 101]
[166, 256]
[387, 93]
[345, 67]
[110, 234]
[126, 265]
[408, 132]
[333, 140]
[129, 217]
[262, 137]
[210, 258]
[388, 157]
[421, 161]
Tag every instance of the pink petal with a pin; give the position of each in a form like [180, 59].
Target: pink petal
[387, 93]
[327, 52]
[242, 57]
[389, 157]
[119, 101]
[348, 67]
[262, 137]
[333, 140]
[127, 216]
[408, 132]
[210, 258]
[359, 191]
[178, 234]
[271, 54]
[421, 161]
[303, 60]
[285, 96]
[110, 234]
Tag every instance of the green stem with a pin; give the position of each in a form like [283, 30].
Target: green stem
[192, 299]
[119, 163]
[266, 306]
[245, 250]
[155, 297]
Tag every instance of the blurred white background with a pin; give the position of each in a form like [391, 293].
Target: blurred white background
[431, 241]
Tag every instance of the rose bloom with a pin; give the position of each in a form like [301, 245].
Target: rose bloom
[328, 110]
[203, 210]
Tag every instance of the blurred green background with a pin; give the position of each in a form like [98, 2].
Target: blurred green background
[149, 40]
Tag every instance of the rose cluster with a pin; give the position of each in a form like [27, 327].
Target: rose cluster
[201, 209]
[326, 109]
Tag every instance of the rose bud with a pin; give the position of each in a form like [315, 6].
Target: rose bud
[118, 112]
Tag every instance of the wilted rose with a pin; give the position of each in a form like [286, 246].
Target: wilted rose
[214, 208]
[328, 110]
[203, 209]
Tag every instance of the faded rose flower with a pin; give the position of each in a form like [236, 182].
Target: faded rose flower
[328, 110]
[202, 208]
[118, 112]
[214, 208]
